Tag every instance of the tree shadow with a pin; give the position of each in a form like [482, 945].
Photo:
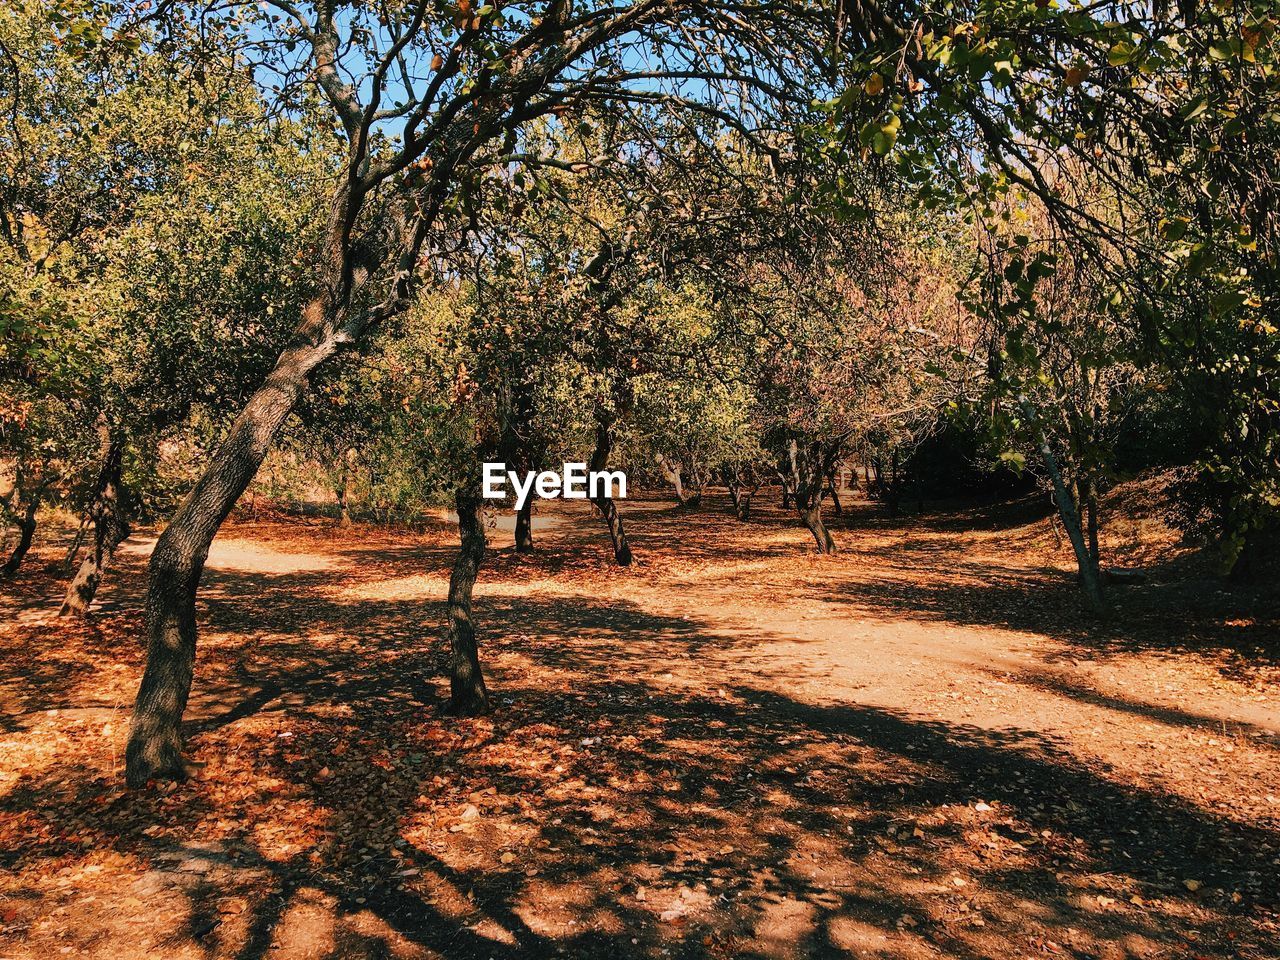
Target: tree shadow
[608, 808]
[640, 818]
[1063, 686]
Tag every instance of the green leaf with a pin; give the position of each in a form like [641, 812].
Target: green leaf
[1175, 229]
[1013, 458]
[1225, 303]
[1122, 53]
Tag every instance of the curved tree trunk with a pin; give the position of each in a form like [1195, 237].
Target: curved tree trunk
[154, 749]
[109, 513]
[1090, 582]
[834, 492]
[740, 497]
[468, 696]
[604, 503]
[812, 517]
[804, 470]
[26, 533]
[673, 470]
[524, 527]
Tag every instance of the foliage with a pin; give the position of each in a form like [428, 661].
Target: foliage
[151, 221]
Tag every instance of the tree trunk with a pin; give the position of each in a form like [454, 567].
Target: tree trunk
[805, 471]
[893, 489]
[741, 498]
[1248, 562]
[674, 472]
[73, 551]
[812, 517]
[26, 533]
[1091, 521]
[154, 749]
[835, 495]
[1089, 579]
[344, 509]
[604, 503]
[109, 512]
[468, 696]
[518, 447]
[524, 527]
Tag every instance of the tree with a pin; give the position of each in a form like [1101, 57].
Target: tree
[1063, 370]
[149, 213]
[1168, 112]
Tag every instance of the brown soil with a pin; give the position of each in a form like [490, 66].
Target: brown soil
[920, 747]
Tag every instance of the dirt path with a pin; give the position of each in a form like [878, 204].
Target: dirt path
[917, 748]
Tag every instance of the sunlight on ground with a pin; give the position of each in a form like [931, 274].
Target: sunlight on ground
[755, 754]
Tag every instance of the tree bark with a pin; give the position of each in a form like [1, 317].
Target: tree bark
[1091, 522]
[468, 696]
[26, 533]
[893, 489]
[835, 494]
[524, 527]
[519, 451]
[340, 492]
[740, 496]
[74, 550]
[109, 512]
[812, 517]
[154, 749]
[604, 503]
[1089, 580]
[673, 470]
[804, 471]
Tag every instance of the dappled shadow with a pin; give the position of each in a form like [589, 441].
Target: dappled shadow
[1063, 686]
[628, 798]
[748, 824]
[913, 580]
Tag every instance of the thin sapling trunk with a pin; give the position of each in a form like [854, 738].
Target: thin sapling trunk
[524, 527]
[1089, 579]
[605, 503]
[109, 512]
[468, 696]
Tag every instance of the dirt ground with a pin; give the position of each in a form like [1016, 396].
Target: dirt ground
[920, 747]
